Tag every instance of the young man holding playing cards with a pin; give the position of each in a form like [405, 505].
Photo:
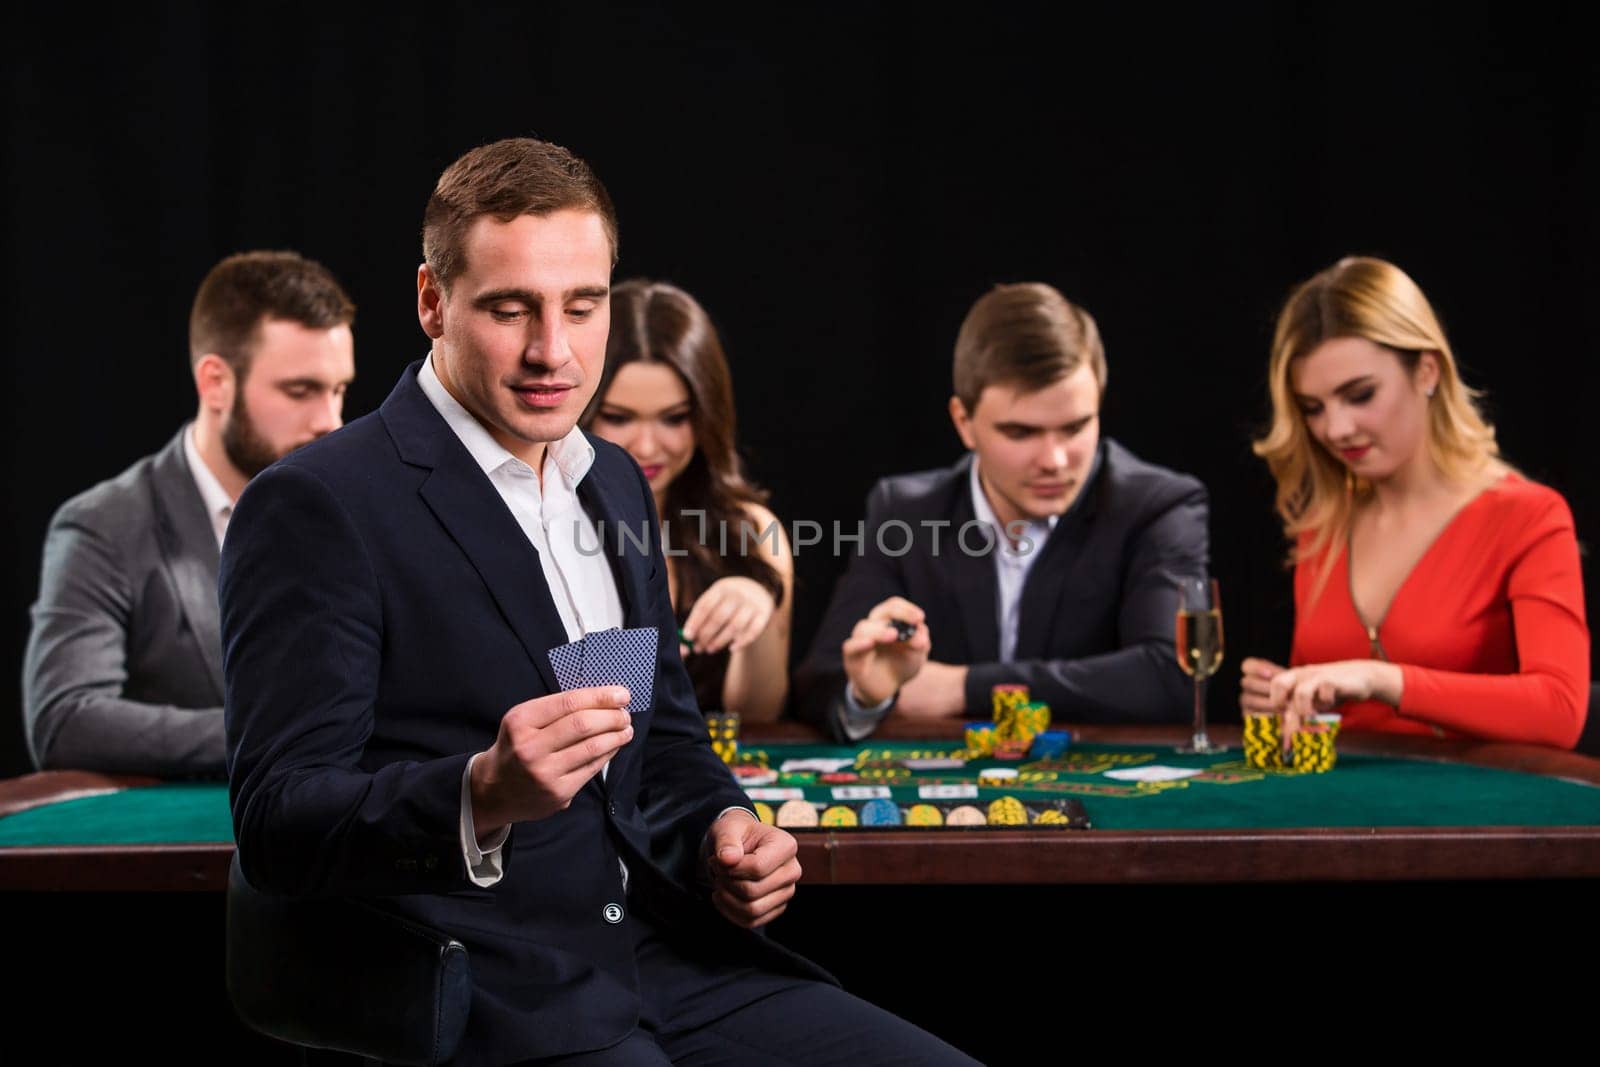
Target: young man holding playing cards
[400, 604]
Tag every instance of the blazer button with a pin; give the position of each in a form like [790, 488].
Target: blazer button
[613, 806]
[613, 913]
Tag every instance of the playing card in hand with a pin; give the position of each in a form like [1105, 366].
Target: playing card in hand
[567, 661]
[623, 657]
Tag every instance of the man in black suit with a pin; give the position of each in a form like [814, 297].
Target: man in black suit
[1044, 558]
[390, 597]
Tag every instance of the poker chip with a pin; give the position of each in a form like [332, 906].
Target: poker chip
[1049, 744]
[764, 813]
[1007, 811]
[1263, 744]
[1012, 747]
[965, 815]
[797, 814]
[980, 738]
[797, 777]
[1052, 817]
[839, 778]
[924, 815]
[840, 815]
[998, 776]
[1313, 745]
[880, 812]
[752, 774]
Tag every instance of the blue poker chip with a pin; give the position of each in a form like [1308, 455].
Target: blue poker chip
[1049, 744]
[880, 812]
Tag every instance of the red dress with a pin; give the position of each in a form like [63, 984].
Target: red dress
[1488, 628]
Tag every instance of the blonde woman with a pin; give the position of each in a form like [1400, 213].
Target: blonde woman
[1437, 591]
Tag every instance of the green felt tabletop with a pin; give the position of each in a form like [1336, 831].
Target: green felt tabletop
[1359, 791]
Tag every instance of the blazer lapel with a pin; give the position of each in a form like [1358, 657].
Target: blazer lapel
[606, 504]
[188, 544]
[466, 504]
[629, 564]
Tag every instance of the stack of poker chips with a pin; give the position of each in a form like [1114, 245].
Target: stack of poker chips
[980, 738]
[1050, 744]
[1313, 745]
[724, 728]
[1017, 721]
[1263, 743]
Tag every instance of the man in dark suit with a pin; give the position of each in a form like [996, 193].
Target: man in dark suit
[1044, 558]
[397, 731]
[123, 671]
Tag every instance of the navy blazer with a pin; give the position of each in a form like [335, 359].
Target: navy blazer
[1098, 613]
[381, 611]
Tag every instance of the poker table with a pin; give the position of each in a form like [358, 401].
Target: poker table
[1392, 809]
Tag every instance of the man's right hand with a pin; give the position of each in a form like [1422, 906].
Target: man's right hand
[876, 661]
[547, 748]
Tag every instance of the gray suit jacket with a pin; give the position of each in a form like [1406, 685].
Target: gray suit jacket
[124, 664]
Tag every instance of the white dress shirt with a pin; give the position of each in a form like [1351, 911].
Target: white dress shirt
[1011, 567]
[553, 520]
[219, 505]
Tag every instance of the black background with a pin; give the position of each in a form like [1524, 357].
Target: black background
[836, 184]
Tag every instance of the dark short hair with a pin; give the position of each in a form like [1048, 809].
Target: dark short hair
[1028, 335]
[506, 179]
[246, 289]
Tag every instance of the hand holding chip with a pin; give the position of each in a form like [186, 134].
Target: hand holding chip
[886, 649]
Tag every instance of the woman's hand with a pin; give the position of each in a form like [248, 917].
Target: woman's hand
[1255, 685]
[1301, 693]
[730, 614]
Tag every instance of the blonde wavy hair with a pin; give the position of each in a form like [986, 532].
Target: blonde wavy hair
[1375, 300]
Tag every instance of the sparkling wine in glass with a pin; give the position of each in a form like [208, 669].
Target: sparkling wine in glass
[1199, 647]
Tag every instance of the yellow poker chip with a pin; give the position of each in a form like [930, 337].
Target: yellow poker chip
[797, 814]
[965, 815]
[1052, 817]
[1007, 811]
[998, 776]
[764, 813]
[924, 815]
[840, 815]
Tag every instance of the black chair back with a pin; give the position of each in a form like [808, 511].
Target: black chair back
[343, 975]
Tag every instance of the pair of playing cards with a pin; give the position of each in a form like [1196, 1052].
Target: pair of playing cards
[611, 657]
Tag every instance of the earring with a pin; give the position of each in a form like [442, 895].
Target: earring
[1431, 389]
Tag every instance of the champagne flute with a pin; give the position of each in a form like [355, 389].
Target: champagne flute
[1199, 647]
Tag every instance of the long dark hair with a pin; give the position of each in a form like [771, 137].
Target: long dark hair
[656, 322]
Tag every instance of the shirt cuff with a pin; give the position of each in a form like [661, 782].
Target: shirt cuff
[484, 865]
[859, 722]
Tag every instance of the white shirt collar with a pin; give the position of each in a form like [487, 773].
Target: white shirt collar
[573, 454]
[219, 505]
[1037, 529]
